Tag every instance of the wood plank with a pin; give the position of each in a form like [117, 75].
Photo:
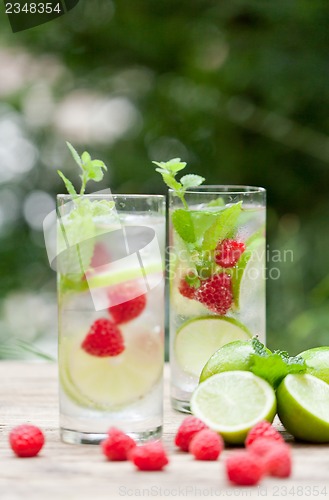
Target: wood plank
[29, 394]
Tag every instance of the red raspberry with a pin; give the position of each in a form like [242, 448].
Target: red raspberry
[206, 445]
[244, 468]
[150, 456]
[186, 290]
[126, 308]
[263, 430]
[216, 293]
[276, 456]
[187, 430]
[103, 339]
[278, 461]
[118, 445]
[228, 252]
[262, 445]
[26, 440]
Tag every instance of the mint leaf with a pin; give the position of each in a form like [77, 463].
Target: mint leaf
[273, 367]
[92, 169]
[191, 180]
[217, 202]
[183, 224]
[170, 181]
[173, 166]
[74, 154]
[193, 280]
[223, 226]
[101, 207]
[68, 184]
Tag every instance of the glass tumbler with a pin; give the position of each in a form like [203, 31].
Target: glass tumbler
[110, 268]
[217, 277]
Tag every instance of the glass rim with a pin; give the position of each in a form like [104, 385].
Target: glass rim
[108, 195]
[224, 189]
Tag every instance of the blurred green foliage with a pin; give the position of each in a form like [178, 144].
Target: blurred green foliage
[237, 89]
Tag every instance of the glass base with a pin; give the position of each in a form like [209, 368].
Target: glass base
[181, 405]
[77, 437]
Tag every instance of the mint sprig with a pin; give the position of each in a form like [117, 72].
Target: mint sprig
[274, 366]
[90, 170]
[169, 170]
[76, 239]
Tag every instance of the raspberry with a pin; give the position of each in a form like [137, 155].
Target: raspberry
[150, 456]
[244, 468]
[216, 293]
[206, 445]
[278, 461]
[186, 290]
[228, 252]
[126, 308]
[262, 445]
[103, 339]
[187, 430]
[118, 445]
[276, 456]
[26, 440]
[263, 430]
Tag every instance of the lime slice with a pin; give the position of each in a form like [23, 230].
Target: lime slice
[247, 273]
[197, 339]
[231, 403]
[317, 362]
[303, 407]
[232, 356]
[111, 382]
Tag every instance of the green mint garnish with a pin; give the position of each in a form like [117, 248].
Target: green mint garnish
[193, 280]
[183, 224]
[169, 170]
[77, 235]
[223, 226]
[274, 366]
[91, 170]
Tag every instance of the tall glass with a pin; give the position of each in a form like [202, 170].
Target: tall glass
[111, 315]
[217, 277]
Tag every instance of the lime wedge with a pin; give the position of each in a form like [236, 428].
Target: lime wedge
[231, 403]
[303, 407]
[247, 273]
[197, 339]
[317, 362]
[232, 356]
[112, 382]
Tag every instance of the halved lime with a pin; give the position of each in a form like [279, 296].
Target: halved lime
[111, 382]
[303, 407]
[232, 402]
[232, 356]
[317, 362]
[246, 275]
[197, 339]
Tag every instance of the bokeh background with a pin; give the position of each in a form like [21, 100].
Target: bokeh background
[238, 89]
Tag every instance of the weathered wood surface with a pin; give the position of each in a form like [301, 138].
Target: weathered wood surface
[28, 393]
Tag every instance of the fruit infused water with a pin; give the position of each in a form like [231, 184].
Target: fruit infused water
[111, 314]
[216, 272]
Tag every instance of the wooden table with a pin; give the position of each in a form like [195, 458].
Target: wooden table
[28, 393]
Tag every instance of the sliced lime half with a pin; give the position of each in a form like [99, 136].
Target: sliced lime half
[247, 274]
[111, 382]
[303, 407]
[197, 339]
[232, 402]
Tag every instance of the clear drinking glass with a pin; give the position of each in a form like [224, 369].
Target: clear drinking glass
[111, 315]
[217, 277]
